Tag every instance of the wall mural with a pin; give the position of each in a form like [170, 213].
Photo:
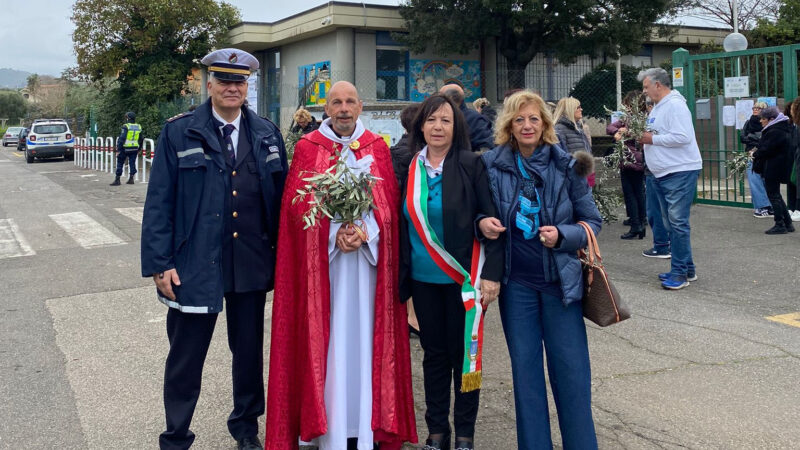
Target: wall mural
[314, 82]
[429, 75]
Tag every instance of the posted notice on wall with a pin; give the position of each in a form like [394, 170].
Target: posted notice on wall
[744, 109]
[677, 77]
[729, 115]
[737, 87]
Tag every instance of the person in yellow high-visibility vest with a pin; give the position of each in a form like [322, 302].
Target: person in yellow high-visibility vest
[128, 145]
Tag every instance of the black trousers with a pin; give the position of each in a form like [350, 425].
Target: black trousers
[779, 211]
[189, 337]
[791, 196]
[131, 158]
[633, 191]
[440, 312]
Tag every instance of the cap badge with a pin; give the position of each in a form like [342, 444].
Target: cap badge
[233, 58]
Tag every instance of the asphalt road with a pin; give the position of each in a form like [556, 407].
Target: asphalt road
[82, 338]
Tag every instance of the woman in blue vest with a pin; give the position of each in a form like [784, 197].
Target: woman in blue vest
[541, 192]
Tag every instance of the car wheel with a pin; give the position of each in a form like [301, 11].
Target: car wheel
[28, 158]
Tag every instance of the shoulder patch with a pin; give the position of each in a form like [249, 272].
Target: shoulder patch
[178, 116]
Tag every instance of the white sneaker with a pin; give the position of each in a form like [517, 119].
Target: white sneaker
[795, 216]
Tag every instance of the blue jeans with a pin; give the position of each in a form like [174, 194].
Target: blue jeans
[675, 195]
[653, 207]
[757, 190]
[530, 318]
[131, 157]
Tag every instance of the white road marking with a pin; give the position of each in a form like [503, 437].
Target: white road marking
[89, 175]
[134, 213]
[85, 230]
[60, 171]
[12, 242]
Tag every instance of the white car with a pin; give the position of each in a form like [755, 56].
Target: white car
[49, 139]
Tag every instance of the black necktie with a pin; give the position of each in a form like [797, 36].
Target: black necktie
[226, 135]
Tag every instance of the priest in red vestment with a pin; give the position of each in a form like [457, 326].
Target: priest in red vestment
[339, 370]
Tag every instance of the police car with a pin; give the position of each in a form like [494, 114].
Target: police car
[49, 138]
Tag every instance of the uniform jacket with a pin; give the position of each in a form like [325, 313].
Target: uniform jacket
[566, 199]
[774, 157]
[190, 188]
[465, 200]
[751, 133]
[480, 129]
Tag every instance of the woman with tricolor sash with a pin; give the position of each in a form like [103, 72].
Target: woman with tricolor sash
[541, 192]
[445, 196]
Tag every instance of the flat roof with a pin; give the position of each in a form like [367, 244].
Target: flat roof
[326, 18]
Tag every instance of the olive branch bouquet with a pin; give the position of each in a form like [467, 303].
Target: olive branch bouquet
[737, 166]
[340, 193]
[635, 121]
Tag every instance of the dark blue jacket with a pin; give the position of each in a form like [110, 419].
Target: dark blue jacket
[566, 199]
[480, 129]
[184, 221]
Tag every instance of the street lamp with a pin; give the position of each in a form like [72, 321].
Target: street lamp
[734, 42]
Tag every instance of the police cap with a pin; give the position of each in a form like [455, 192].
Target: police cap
[230, 64]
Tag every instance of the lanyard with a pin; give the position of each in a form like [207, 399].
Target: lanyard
[526, 208]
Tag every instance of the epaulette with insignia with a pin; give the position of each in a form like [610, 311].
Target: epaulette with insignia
[178, 116]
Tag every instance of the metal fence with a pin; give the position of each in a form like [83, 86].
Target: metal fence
[100, 154]
[547, 76]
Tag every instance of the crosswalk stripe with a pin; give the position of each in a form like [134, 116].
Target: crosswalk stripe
[134, 213]
[12, 242]
[87, 232]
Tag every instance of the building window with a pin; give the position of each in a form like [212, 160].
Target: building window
[391, 73]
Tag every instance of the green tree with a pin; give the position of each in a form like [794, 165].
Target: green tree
[524, 28]
[33, 84]
[597, 89]
[12, 106]
[783, 31]
[148, 47]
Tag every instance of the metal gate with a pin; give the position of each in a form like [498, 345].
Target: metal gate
[770, 72]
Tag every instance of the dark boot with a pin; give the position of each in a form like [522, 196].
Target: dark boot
[116, 182]
[777, 229]
[633, 234]
[130, 180]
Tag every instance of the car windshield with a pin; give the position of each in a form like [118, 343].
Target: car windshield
[13, 130]
[50, 129]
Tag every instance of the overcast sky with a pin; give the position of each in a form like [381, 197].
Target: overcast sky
[39, 38]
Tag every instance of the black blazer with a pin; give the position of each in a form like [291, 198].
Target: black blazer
[465, 200]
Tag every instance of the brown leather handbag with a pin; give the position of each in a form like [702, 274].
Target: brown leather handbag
[601, 301]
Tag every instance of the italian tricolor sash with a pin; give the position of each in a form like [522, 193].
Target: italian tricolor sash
[417, 204]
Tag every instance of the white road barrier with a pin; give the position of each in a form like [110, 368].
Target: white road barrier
[100, 154]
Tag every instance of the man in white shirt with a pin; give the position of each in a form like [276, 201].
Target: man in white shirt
[673, 157]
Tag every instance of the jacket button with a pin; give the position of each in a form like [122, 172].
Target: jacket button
[235, 235]
[235, 193]
[235, 214]
[233, 173]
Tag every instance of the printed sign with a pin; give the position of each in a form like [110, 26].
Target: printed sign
[737, 87]
[770, 101]
[315, 80]
[729, 115]
[677, 77]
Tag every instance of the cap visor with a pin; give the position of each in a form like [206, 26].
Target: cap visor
[229, 76]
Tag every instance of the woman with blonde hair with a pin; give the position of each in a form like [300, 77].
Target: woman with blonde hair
[305, 122]
[540, 192]
[569, 127]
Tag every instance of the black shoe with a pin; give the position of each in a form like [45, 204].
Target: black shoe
[249, 443]
[443, 444]
[463, 444]
[116, 182]
[634, 234]
[130, 180]
[790, 228]
[777, 229]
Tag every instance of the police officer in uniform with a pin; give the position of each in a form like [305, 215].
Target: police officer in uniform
[128, 146]
[209, 232]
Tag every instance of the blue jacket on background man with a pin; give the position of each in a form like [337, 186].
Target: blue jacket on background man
[185, 215]
[480, 129]
[566, 198]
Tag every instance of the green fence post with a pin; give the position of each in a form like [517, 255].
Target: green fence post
[789, 72]
[683, 69]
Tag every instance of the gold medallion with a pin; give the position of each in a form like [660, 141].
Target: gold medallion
[355, 145]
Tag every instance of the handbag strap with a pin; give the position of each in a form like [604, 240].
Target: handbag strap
[591, 244]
